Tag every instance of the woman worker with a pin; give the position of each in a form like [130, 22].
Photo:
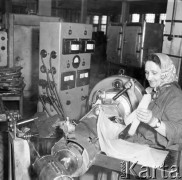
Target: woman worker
[162, 122]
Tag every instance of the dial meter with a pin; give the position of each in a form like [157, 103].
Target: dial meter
[76, 61]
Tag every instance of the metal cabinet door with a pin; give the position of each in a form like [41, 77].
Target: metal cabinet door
[132, 46]
[114, 40]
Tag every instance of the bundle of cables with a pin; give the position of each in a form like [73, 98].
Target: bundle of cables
[49, 84]
[11, 81]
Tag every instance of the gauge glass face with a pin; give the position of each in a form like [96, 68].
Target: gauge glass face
[90, 46]
[76, 60]
[75, 47]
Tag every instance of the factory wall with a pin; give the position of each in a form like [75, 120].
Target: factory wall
[23, 43]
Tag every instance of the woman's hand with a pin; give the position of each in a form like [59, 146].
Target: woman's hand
[144, 115]
[130, 85]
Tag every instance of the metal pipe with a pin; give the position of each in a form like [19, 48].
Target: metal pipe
[170, 37]
[26, 121]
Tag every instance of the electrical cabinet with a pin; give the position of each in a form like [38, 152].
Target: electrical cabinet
[131, 43]
[65, 53]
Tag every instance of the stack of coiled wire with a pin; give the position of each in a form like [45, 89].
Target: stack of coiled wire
[11, 81]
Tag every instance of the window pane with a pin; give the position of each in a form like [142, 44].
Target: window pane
[103, 28]
[104, 20]
[150, 18]
[135, 17]
[162, 18]
[96, 20]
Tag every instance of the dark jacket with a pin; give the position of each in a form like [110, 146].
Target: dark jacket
[166, 106]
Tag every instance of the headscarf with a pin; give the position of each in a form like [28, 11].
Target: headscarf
[168, 70]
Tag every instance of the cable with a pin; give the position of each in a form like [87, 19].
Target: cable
[51, 89]
[44, 106]
[53, 94]
[56, 92]
[52, 103]
[57, 109]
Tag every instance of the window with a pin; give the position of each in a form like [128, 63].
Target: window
[100, 23]
[135, 18]
[162, 18]
[104, 24]
[96, 20]
[104, 20]
[150, 18]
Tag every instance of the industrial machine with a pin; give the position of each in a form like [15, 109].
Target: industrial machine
[78, 147]
[65, 52]
[76, 155]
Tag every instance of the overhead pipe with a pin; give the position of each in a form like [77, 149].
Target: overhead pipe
[170, 37]
[83, 11]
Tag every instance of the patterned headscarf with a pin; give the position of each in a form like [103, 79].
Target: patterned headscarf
[168, 69]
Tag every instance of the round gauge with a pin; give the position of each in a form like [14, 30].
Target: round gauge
[43, 53]
[53, 69]
[43, 69]
[2, 38]
[53, 54]
[76, 61]
[117, 84]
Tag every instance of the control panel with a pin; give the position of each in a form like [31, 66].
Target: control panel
[64, 68]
